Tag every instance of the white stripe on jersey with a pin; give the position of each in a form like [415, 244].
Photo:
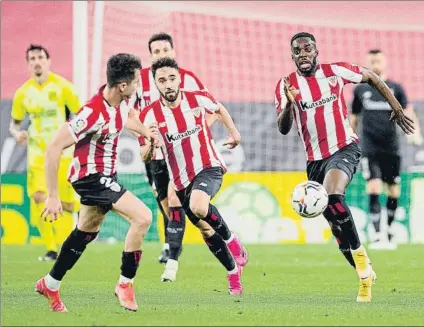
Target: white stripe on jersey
[310, 116]
[329, 117]
[91, 166]
[109, 145]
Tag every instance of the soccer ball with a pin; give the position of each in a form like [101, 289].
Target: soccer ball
[309, 199]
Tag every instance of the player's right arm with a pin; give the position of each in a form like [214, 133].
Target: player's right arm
[18, 115]
[87, 121]
[284, 104]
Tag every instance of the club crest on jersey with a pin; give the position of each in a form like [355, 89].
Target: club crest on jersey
[332, 80]
[79, 124]
[179, 136]
[196, 111]
[305, 106]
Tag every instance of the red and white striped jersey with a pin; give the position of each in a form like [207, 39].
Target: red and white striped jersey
[188, 146]
[148, 92]
[96, 130]
[320, 109]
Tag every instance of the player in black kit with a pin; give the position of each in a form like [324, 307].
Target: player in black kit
[379, 141]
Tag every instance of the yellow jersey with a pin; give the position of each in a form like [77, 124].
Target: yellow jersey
[46, 106]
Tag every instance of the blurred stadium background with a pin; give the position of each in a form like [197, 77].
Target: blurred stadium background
[239, 50]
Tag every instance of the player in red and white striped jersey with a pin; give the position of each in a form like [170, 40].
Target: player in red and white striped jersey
[195, 164]
[95, 131]
[160, 46]
[313, 97]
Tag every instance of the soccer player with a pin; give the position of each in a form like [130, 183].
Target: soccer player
[313, 97]
[381, 159]
[160, 46]
[195, 165]
[96, 131]
[48, 99]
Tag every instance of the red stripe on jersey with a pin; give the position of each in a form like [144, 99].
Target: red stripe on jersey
[185, 143]
[337, 112]
[319, 116]
[82, 153]
[145, 81]
[303, 117]
[119, 126]
[204, 153]
[160, 118]
[278, 96]
[100, 146]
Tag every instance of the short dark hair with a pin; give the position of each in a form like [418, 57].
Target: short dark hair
[302, 34]
[160, 37]
[163, 62]
[121, 67]
[38, 47]
[375, 51]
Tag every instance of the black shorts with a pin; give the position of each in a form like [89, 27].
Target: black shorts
[384, 166]
[159, 177]
[346, 159]
[209, 180]
[99, 190]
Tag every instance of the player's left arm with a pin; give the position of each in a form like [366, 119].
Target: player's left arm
[214, 107]
[398, 115]
[71, 98]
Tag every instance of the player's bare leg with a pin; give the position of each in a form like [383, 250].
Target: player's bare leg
[140, 218]
[343, 227]
[201, 208]
[89, 222]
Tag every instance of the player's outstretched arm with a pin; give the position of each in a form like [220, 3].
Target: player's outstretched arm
[406, 123]
[134, 124]
[224, 116]
[62, 140]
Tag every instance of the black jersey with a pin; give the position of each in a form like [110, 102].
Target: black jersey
[376, 132]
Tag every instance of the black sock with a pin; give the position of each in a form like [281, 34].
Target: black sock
[344, 248]
[130, 262]
[70, 252]
[165, 219]
[338, 213]
[175, 231]
[392, 204]
[219, 249]
[214, 219]
[375, 211]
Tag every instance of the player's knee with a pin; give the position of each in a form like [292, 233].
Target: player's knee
[143, 220]
[39, 197]
[200, 210]
[68, 206]
[374, 186]
[393, 191]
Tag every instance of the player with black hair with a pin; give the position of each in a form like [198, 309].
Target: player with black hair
[95, 131]
[312, 96]
[381, 161]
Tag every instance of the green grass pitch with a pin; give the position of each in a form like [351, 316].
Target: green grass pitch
[284, 285]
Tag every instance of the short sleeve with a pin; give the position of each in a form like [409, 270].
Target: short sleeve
[400, 95]
[280, 96]
[72, 100]
[206, 100]
[357, 102]
[18, 108]
[87, 121]
[350, 73]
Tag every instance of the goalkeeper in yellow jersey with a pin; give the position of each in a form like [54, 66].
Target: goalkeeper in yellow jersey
[48, 99]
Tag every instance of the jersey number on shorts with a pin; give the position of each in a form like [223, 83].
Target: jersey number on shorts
[109, 183]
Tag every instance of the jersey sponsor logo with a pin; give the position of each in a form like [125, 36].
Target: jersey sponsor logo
[179, 136]
[305, 106]
[109, 183]
[332, 80]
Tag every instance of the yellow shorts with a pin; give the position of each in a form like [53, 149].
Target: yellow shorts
[37, 179]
